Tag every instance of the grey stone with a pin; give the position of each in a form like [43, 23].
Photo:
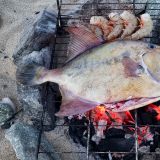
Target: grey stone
[42, 57]
[24, 139]
[42, 32]
[6, 110]
[31, 103]
[30, 97]
[37, 36]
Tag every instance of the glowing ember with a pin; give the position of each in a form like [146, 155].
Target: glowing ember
[103, 119]
[144, 134]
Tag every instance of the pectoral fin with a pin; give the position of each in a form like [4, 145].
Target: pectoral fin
[72, 105]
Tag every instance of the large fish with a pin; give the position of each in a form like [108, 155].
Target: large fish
[120, 71]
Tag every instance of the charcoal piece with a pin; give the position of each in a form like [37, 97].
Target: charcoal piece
[115, 133]
[78, 130]
[148, 157]
[146, 118]
[116, 144]
[155, 143]
[24, 139]
[130, 156]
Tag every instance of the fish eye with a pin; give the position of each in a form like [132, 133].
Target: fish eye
[140, 69]
[152, 46]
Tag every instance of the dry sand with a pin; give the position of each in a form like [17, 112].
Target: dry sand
[14, 16]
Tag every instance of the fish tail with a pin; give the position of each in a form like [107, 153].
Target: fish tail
[32, 74]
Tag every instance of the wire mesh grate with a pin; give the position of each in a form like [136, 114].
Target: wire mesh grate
[62, 40]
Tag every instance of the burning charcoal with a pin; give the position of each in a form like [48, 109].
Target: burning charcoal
[115, 133]
[157, 155]
[130, 156]
[116, 144]
[100, 128]
[148, 157]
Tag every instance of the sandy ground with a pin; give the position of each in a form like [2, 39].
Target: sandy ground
[14, 16]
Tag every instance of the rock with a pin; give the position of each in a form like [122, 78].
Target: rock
[36, 46]
[30, 97]
[42, 57]
[7, 109]
[37, 36]
[24, 139]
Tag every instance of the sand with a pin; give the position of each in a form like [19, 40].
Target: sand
[14, 16]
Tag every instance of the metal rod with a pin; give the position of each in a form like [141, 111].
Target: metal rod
[136, 135]
[88, 136]
[59, 13]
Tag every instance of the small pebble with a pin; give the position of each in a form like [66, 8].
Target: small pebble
[6, 57]
[37, 12]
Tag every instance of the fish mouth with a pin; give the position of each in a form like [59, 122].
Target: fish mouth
[131, 104]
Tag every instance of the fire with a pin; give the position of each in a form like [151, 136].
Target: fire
[102, 113]
[103, 119]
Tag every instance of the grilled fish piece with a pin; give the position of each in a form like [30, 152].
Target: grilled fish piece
[122, 71]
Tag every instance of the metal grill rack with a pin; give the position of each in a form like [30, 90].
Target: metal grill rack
[60, 50]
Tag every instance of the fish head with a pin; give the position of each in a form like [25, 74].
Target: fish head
[151, 62]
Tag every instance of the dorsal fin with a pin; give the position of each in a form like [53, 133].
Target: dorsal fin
[82, 38]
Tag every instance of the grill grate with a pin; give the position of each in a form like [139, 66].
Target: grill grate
[60, 50]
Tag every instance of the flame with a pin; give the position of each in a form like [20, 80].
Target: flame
[157, 109]
[103, 118]
[102, 113]
[101, 109]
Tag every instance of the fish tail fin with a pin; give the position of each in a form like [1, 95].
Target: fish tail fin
[32, 74]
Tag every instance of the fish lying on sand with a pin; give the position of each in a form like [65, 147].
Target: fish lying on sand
[120, 71]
